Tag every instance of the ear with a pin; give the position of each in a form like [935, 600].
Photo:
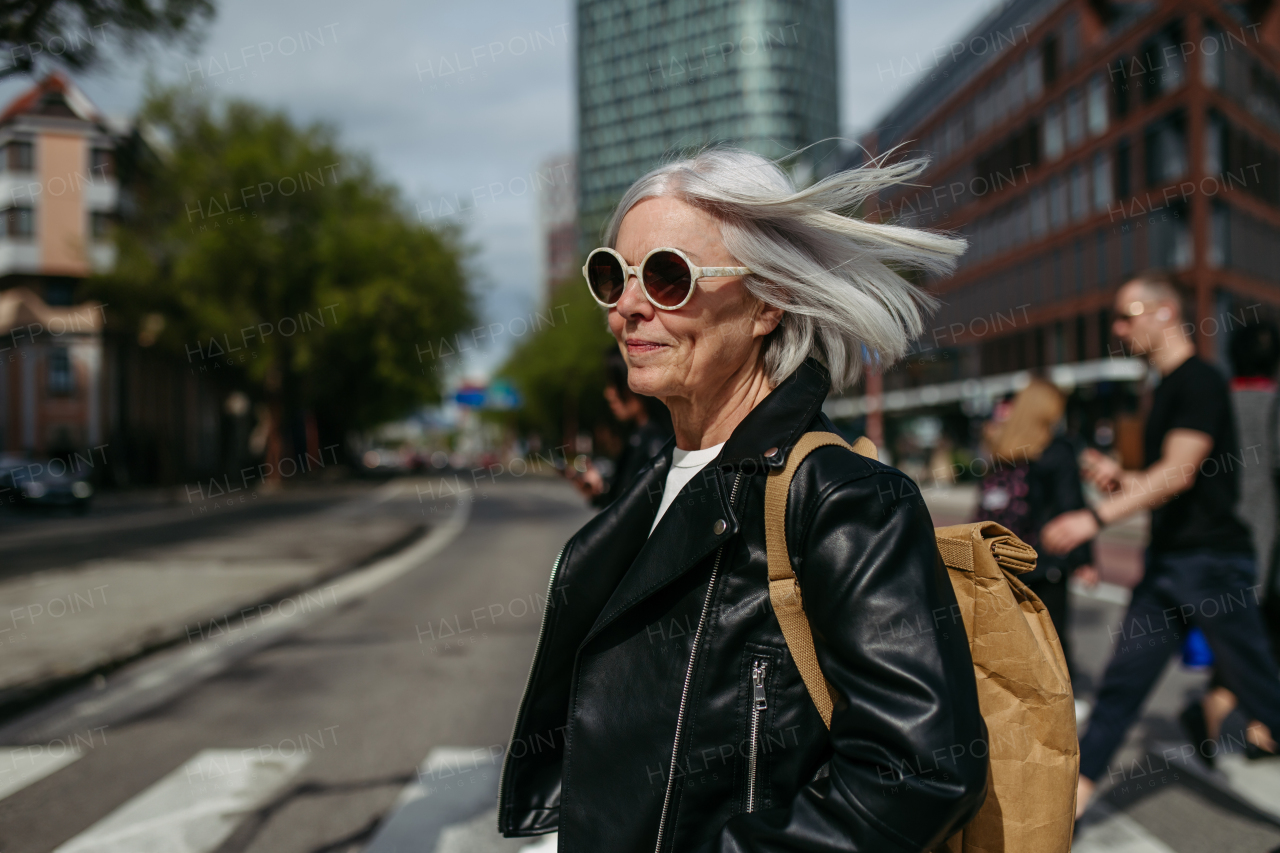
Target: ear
[767, 319]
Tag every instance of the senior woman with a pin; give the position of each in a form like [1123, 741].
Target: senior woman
[663, 711]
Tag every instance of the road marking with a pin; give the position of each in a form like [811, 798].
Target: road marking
[1255, 782]
[166, 674]
[194, 808]
[451, 808]
[1105, 830]
[21, 766]
[1111, 593]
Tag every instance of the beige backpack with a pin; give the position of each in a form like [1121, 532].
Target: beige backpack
[1023, 689]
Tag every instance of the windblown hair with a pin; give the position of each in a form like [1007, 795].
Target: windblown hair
[834, 275]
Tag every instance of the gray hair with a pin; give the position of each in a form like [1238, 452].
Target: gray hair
[835, 276]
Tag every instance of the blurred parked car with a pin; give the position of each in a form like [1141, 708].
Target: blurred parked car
[42, 482]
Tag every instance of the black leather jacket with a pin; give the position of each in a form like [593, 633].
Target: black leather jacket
[667, 643]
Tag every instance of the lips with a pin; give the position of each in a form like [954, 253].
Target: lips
[639, 345]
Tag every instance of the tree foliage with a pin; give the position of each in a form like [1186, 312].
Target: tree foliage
[73, 32]
[247, 231]
[559, 370]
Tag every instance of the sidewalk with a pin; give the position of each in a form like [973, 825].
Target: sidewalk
[63, 624]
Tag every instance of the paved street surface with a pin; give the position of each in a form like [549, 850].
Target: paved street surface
[377, 722]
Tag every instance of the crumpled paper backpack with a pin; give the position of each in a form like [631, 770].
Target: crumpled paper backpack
[1021, 672]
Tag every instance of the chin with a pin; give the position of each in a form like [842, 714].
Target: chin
[646, 380]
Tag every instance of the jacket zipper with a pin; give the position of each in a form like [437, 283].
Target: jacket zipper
[759, 702]
[688, 677]
[524, 699]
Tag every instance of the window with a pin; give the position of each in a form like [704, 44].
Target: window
[20, 157]
[19, 222]
[1166, 150]
[1049, 60]
[100, 224]
[1124, 180]
[1033, 75]
[1057, 203]
[1053, 142]
[1039, 204]
[1219, 236]
[1101, 283]
[1102, 182]
[1212, 65]
[1097, 105]
[102, 163]
[1079, 193]
[1071, 40]
[59, 380]
[1074, 118]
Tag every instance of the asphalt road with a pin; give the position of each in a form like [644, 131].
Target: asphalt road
[362, 694]
[307, 739]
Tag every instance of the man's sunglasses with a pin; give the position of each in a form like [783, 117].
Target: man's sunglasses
[666, 276]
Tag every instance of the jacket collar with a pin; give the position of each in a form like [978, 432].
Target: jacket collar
[777, 423]
[705, 517]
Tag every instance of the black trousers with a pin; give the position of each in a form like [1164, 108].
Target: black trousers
[1217, 593]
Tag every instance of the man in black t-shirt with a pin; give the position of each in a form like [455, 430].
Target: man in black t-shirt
[1199, 564]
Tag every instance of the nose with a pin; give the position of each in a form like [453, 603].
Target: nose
[632, 303]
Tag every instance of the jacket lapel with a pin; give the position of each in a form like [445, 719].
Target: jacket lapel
[684, 537]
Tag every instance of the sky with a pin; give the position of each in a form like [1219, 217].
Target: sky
[377, 71]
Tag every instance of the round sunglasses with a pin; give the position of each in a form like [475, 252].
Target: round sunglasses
[667, 276]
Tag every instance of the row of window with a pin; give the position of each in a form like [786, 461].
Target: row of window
[1022, 83]
[19, 156]
[1156, 69]
[20, 223]
[1063, 200]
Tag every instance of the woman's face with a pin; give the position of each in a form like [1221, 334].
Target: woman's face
[692, 351]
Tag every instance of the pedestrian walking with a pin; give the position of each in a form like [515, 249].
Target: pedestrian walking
[663, 711]
[651, 432]
[1199, 568]
[1255, 357]
[1031, 478]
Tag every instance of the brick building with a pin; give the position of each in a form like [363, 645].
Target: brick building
[1074, 143]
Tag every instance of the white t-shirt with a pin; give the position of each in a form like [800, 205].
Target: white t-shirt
[685, 465]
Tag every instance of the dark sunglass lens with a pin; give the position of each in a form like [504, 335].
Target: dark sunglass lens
[666, 277]
[606, 277]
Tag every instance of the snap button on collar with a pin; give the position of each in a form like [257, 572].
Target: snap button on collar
[720, 526]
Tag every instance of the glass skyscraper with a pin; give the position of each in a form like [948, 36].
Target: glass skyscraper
[661, 78]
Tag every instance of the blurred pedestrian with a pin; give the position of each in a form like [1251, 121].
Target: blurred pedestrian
[1033, 477]
[651, 432]
[1255, 357]
[1199, 569]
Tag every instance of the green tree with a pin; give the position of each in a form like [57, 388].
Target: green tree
[271, 252]
[559, 370]
[73, 32]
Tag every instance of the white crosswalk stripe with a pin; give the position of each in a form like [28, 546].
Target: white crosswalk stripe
[21, 766]
[451, 808]
[194, 808]
[1256, 782]
[1105, 830]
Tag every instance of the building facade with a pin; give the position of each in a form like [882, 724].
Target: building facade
[1073, 144]
[660, 78]
[58, 192]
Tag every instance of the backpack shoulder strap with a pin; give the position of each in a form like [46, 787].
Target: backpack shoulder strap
[784, 591]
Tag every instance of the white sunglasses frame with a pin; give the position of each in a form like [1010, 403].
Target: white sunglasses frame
[695, 272]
